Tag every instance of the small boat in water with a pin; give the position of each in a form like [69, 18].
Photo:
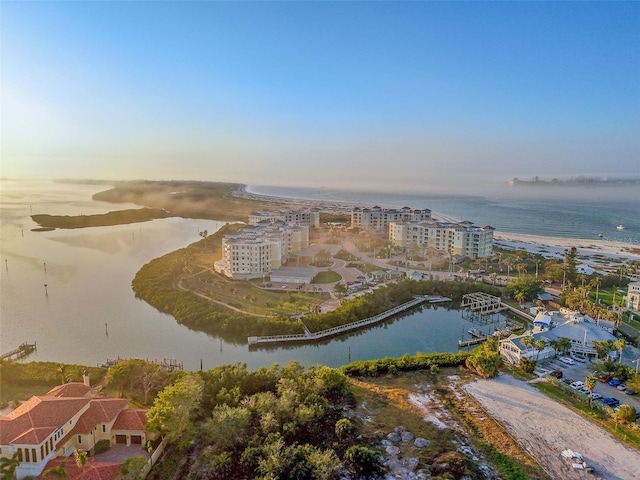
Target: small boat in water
[601, 235]
[620, 227]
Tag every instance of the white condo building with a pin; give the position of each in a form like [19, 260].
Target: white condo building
[456, 238]
[309, 217]
[379, 219]
[256, 250]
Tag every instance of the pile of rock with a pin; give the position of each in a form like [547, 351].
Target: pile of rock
[399, 466]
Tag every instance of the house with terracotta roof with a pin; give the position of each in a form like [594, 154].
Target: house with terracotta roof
[66, 418]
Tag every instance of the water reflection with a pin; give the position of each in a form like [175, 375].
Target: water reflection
[88, 313]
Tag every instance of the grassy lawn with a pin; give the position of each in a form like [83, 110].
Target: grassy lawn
[327, 277]
[250, 297]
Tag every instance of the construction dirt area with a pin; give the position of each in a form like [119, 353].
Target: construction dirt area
[545, 428]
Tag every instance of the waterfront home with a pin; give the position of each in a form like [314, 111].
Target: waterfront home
[581, 330]
[512, 350]
[67, 418]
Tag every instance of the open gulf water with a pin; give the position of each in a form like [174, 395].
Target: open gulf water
[555, 211]
[69, 291]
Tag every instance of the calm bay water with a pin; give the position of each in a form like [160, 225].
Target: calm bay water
[87, 312]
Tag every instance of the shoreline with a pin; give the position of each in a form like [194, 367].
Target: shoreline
[546, 245]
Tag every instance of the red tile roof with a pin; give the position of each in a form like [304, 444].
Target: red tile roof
[37, 418]
[101, 410]
[93, 470]
[73, 389]
[132, 419]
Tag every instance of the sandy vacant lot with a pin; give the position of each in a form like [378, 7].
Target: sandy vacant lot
[545, 428]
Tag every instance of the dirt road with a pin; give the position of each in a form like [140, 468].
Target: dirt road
[545, 428]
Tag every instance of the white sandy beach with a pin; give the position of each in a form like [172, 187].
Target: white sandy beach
[555, 246]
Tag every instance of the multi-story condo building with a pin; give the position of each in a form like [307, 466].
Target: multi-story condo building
[309, 217]
[455, 238]
[256, 250]
[633, 296]
[379, 219]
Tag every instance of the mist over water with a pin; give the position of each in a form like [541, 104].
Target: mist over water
[88, 312]
[570, 212]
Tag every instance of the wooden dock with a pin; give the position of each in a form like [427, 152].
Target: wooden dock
[472, 341]
[169, 364]
[330, 332]
[483, 303]
[23, 350]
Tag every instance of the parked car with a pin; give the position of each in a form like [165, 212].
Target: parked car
[556, 373]
[584, 390]
[568, 381]
[596, 396]
[629, 391]
[567, 360]
[578, 358]
[614, 382]
[577, 385]
[622, 387]
[605, 378]
[610, 401]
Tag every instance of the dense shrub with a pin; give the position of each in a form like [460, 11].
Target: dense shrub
[420, 361]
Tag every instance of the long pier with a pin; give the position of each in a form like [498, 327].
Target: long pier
[23, 350]
[330, 332]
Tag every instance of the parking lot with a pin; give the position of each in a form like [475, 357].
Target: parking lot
[579, 371]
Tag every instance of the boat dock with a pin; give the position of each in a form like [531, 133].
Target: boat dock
[330, 332]
[169, 364]
[483, 303]
[472, 341]
[23, 350]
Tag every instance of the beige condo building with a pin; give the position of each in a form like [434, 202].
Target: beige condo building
[257, 250]
[309, 217]
[462, 238]
[379, 219]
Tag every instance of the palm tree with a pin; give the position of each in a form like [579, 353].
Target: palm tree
[527, 341]
[539, 346]
[562, 344]
[59, 472]
[590, 384]
[8, 466]
[519, 297]
[81, 459]
[619, 345]
[62, 370]
[204, 234]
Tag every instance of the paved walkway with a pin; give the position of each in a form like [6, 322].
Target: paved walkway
[119, 453]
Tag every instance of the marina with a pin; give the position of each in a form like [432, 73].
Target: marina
[334, 331]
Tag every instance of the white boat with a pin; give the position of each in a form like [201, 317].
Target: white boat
[620, 227]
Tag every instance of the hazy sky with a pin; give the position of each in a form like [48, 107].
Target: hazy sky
[365, 95]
